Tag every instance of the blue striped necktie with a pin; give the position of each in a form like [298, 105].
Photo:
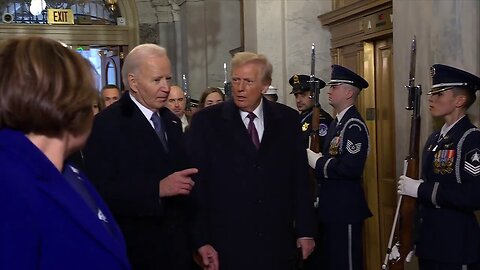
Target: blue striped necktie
[159, 129]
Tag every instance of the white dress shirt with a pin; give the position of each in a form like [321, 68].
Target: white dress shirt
[342, 113]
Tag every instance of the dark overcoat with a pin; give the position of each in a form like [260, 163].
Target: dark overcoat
[251, 204]
[126, 161]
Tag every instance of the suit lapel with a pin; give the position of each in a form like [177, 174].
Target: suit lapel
[237, 129]
[173, 128]
[59, 190]
[139, 127]
[239, 133]
[271, 117]
[117, 233]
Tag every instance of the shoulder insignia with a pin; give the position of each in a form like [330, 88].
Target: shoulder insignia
[353, 148]
[471, 165]
[472, 162]
[354, 122]
[322, 131]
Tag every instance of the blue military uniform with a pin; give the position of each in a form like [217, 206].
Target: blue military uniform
[448, 232]
[342, 205]
[300, 83]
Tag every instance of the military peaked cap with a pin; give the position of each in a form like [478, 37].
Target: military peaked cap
[301, 83]
[342, 75]
[445, 77]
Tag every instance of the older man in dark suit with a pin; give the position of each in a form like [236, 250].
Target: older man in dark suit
[136, 158]
[252, 190]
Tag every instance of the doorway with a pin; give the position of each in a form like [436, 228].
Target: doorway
[107, 62]
[377, 107]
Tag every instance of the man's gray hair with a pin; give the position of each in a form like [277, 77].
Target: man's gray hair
[137, 56]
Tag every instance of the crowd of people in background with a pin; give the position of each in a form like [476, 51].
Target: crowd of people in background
[222, 186]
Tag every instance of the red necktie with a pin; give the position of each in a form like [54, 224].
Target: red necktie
[252, 130]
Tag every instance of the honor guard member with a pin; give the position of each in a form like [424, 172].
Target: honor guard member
[449, 192]
[301, 89]
[342, 205]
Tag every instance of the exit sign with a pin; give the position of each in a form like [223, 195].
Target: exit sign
[60, 16]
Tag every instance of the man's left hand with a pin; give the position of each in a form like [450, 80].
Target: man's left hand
[209, 258]
[307, 245]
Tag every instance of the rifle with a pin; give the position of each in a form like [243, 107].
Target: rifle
[314, 136]
[403, 233]
[314, 140]
[315, 89]
[186, 93]
[227, 86]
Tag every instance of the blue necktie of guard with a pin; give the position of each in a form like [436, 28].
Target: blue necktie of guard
[158, 126]
[252, 130]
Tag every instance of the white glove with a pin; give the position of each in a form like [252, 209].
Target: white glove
[313, 157]
[408, 186]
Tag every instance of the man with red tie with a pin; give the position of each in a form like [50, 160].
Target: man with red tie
[252, 189]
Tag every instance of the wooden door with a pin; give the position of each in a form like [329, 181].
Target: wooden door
[385, 139]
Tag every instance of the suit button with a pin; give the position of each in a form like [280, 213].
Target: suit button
[259, 201]
[421, 220]
[260, 235]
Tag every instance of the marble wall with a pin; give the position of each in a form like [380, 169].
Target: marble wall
[198, 36]
[285, 34]
[447, 32]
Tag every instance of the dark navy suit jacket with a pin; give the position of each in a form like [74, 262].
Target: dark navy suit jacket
[45, 223]
[252, 205]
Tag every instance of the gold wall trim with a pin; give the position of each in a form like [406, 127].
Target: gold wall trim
[72, 34]
[114, 35]
[353, 10]
[359, 22]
